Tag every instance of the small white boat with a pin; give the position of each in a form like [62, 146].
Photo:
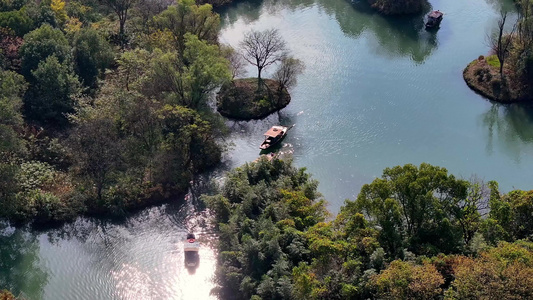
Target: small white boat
[191, 248]
[191, 244]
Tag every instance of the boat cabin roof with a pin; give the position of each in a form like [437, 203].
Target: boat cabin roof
[274, 131]
[435, 14]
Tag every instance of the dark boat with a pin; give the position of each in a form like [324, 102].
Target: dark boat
[273, 136]
[433, 19]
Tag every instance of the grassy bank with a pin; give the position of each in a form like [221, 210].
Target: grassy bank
[482, 75]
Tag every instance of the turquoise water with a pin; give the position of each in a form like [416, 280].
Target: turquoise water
[375, 93]
[379, 92]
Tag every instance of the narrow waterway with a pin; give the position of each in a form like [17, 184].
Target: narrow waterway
[376, 92]
[138, 258]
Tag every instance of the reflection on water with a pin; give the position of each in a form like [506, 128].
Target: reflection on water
[378, 92]
[21, 269]
[509, 128]
[503, 5]
[141, 257]
[393, 36]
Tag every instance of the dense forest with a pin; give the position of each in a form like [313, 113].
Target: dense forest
[104, 107]
[103, 104]
[417, 232]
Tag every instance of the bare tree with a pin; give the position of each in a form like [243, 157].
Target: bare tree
[502, 41]
[263, 48]
[120, 7]
[288, 70]
[235, 59]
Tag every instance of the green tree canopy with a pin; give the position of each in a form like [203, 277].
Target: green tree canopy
[17, 20]
[40, 44]
[12, 87]
[187, 17]
[51, 95]
[92, 55]
[184, 81]
[263, 210]
[416, 208]
[510, 216]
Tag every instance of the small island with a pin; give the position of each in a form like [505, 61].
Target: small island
[482, 76]
[242, 100]
[506, 75]
[256, 98]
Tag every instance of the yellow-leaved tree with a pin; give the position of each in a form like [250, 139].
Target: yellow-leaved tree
[58, 7]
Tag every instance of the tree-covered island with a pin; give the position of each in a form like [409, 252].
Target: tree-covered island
[256, 98]
[506, 74]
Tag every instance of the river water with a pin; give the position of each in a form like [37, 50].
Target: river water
[376, 92]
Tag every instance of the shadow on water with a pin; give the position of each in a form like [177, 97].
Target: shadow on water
[509, 127]
[503, 5]
[20, 267]
[393, 36]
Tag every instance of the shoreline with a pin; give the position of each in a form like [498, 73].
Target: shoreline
[484, 80]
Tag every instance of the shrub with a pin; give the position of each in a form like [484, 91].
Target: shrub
[403, 280]
[6, 295]
[479, 72]
[496, 85]
[34, 175]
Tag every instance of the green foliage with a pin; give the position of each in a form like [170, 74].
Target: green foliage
[129, 143]
[98, 151]
[186, 81]
[185, 17]
[419, 208]
[43, 195]
[39, 45]
[9, 5]
[42, 13]
[12, 87]
[51, 94]
[92, 55]
[258, 244]
[493, 61]
[84, 13]
[510, 216]
[188, 143]
[17, 20]
[241, 100]
[146, 150]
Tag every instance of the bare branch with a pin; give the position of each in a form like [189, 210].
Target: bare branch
[263, 48]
